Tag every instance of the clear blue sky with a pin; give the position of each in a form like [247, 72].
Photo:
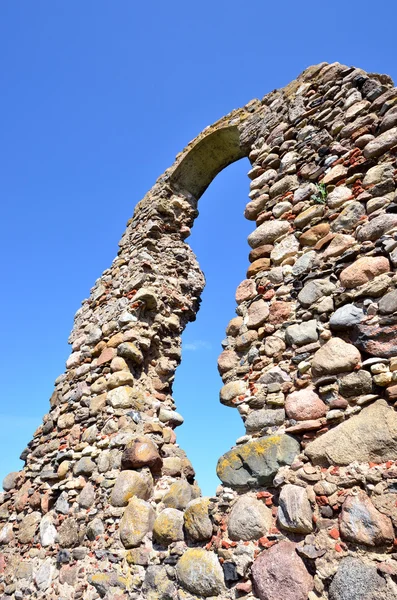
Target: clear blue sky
[97, 99]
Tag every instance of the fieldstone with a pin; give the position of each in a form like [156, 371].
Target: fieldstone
[287, 248]
[304, 405]
[148, 297]
[376, 340]
[245, 340]
[267, 233]
[10, 481]
[304, 263]
[280, 573]
[361, 523]
[381, 144]
[65, 421]
[256, 463]
[315, 290]
[308, 215]
[388, 304]
[200, 573]
[131, 483]
[339, 244]
[357, 383]
[28, 527]
[136, 522]
[255, 207]
[260, 252]
[141, 452]
[171, 417]
[363, 270]
[257, 312]
[356, 580]
[370, 436]
[302, 333]
[84, 466]
[44, 575]
[130, 351]
[286, 184]
[121, 397]
[349, 218]
[273, 345]
[168, 527]
[294, 513]
[377, 227]
[264, 179]
[95, 528]
[249, 519]
[87, 496]
[334, 175]
[314, 234]
[233, 326]
[377, 174]
[179, 495]
[232, 390]
[227, 361]
[68, 533]
[6, 534]
[246, 291]
[274, 375]
[157, 585]
[339, 196]
[257, 266]
[48, 532]
[336, 356]
[345, 317]
[266, 417]
[118, 379]
[197, 523]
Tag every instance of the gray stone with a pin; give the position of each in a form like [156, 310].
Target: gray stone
[377, 174]
[287, 248]
[302, 333]
[361, 523]
[315, 290]
[44, 575]
[370, 436]
[266, 417]
[388, 304]
[200, 573]
[85, 466]
[357, 383]
[94, 529]
[179, 495]
[87, 496]
[294, 512]
[197, 523]
[267, 233]
[249, 519]
[286, 184]
[137, 521]
[256, 463]
[304, 263]
[356, 580]
[232, 390]
[48, 533]
[375, 228]
[338, 196]
[10, 481]
[274, 375]
[68, 533]
[345, 317]
[157, 586]
[349, 217]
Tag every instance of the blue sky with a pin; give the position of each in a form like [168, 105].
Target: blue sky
[97, 99]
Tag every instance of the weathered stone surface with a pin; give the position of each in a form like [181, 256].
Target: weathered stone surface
[349, 218]
[376, 227]
[370, 436]
[266, 417]
[246, 291]
[304, 404]
[280, 573]
[10, 481]
[363, 270]
[361, 523]
[294, 511]
[339, 244]
[257, 314]
[286, 184]
[376, 340]
[232, 390]
[267, 233]
[314, 234]
[256, 462]
[315, 290]
[388, 304]
[355, 384]
[68, 533]
[168, 527]
[137, 521]
[302, 333]
[287, 248]
[28, 527]
[131, 483]
[200, 573]
[179, 495]
[345, 317]
[48, 532]
[141, 452]
[257, 266]
[339, 196]
[336, 356]
[357, 580]
[249, 519]
[85, 466]
[198, 525]
[87, 496]
[157, 585]
[381, 144]
[121, 397]
[377, 174]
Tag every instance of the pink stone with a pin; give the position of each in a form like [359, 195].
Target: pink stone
[363, 270]
[361, 523]
[257, 314]
[227, 361]
[304, 405]
[106, 355]
[280, 574]
[246, 291]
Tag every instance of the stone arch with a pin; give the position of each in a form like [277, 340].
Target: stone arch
[107, 504]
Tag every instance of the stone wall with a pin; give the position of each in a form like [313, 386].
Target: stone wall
[107, 505]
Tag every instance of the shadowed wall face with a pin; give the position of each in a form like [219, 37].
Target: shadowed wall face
[107, 504]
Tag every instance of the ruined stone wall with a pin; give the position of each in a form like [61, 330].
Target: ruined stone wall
[107, 505]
